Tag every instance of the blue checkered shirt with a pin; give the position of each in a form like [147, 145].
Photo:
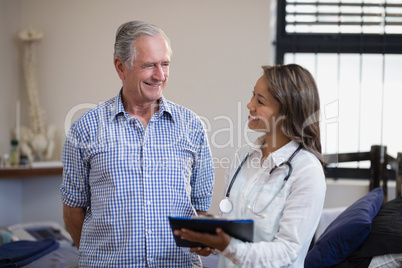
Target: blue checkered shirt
[131, 179]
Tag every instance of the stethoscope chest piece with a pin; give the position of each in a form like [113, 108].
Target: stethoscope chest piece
[225, 205]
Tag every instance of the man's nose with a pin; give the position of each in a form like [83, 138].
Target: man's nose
[159, 73]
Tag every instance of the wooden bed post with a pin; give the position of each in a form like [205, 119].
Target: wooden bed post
[398, 187]
[378, 168]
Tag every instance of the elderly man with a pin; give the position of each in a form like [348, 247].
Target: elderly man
[134, 160]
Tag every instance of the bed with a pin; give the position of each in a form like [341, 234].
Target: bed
[37, 244]
[368, 233]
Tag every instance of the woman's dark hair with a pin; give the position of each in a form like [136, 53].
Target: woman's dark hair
[296, 91]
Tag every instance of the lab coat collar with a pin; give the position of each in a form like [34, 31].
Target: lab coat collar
[279, 156]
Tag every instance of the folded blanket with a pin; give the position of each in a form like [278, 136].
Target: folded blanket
[5, 237]
[20, 253]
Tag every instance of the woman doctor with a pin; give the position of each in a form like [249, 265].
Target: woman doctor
[277, 181]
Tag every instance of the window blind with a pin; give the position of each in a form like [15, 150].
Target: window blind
[368, 17]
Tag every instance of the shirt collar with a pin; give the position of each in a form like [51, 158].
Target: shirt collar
[164, 106]
[118, 108]
[279, 156]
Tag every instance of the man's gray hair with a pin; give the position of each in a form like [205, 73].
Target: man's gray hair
[126, 35]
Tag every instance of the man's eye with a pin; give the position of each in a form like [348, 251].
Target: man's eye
[147, 66]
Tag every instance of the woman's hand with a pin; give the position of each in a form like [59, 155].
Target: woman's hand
[219, 241]
[202, 251]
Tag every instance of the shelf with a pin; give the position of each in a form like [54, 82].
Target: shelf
[28, 172]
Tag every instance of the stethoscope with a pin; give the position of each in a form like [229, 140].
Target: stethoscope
[226, 205]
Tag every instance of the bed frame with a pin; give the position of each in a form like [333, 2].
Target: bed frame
[383, 168]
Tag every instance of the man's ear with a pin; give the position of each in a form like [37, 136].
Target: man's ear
[120, 67]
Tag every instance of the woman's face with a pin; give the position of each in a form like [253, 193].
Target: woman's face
[264, 109]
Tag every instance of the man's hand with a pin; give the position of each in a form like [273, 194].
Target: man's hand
[73, 219]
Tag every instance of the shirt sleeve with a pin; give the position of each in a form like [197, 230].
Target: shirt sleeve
[301, 215]
[203, 174]
[74, 188]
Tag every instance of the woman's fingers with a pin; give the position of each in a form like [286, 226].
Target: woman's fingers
[219, 241]
[202, 251]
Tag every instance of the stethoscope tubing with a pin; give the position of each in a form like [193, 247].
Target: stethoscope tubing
[270, 172]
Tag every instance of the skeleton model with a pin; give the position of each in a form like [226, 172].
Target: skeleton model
[36, 141]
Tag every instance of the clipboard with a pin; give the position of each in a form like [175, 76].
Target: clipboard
[240, 229]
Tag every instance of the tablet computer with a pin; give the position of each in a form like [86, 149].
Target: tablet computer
[240, 229]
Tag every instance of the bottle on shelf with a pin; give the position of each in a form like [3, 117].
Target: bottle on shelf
[14, 153]
[5, 161]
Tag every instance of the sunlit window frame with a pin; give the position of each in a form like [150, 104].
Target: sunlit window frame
[331, 42]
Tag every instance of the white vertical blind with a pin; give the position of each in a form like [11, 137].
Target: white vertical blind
[352, 16]
[351, 117]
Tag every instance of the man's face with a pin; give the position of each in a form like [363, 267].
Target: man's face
[148, 77]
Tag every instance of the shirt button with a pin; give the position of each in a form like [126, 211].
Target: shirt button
[149, 203]
[149, 231]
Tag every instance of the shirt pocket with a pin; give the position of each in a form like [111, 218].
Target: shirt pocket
[111, 163]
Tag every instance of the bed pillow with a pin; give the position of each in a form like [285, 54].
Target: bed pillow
[384, 241]
[386, 233]
[347, 232]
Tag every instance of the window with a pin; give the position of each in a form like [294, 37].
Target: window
[354, 50]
